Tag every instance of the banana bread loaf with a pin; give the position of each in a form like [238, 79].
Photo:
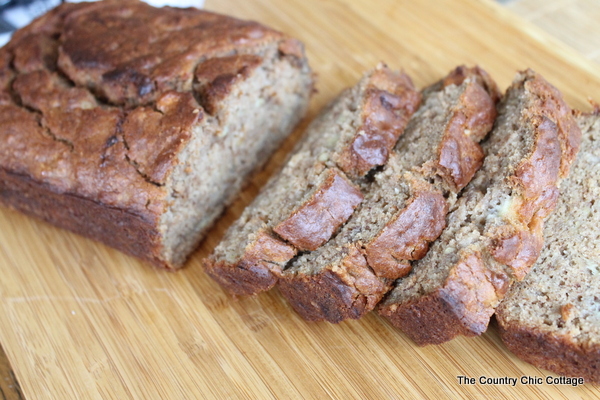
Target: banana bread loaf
[495, 233]
[552, 319]
[405, 209]
[135, 126]
[319, 186]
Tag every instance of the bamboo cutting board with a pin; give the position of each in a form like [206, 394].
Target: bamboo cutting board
[81, 321]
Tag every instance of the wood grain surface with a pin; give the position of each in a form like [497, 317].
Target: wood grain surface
[574, 22]
[82, 321]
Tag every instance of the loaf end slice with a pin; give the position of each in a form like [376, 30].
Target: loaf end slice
[494, 234]
[405, 208]
[318, 188]
[117, 118]
[551, 318]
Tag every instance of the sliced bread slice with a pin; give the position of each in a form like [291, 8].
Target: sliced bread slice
[552, 318]
[495, 233]
[317, 190]
[404, 209]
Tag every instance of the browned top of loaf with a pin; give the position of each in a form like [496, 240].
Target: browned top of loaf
[96, 97]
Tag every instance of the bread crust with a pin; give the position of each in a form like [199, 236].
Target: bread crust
[390, 100]
[407, 236]
[462, 72]
[558, 111]
[460, 154]
[556, 353]
[133, 69]
[320, 216]
[519, 243]
[347, 291]
[259, 268]
[138, 236]
[462, 306]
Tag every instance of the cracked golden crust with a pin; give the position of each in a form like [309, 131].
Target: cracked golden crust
[159, 52]
[154, 136]
[77, 116]
[44, 91]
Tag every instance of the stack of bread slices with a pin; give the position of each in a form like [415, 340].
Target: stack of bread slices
[430, 207]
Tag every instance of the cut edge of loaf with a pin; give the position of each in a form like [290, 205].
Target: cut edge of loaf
[494, 234]
[411, 192]
[550, 319]
[311, 197]
[248, 129]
